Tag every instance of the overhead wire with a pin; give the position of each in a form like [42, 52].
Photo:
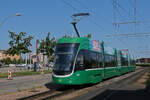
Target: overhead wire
[90, 10]
[90, 19]
[67, 3]
[63, 1]
[139, 14]
[121, 7]
[116, 5]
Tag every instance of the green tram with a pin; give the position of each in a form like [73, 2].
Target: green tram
[80, 60]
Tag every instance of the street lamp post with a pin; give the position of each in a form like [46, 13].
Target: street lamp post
[5, 19]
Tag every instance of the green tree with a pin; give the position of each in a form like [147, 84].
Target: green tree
[7, 61]
[19, 43]
[20, 61]
[88, 35]
[41, 47]
[47, 46]
[66, 36]
[14, 61]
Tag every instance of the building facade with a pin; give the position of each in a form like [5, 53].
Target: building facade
[143, 60]
[41, 58]
[3, 55]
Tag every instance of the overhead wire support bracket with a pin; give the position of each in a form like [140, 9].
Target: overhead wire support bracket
[132, 22]
[130, 35]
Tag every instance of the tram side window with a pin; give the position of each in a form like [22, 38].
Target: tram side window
[83, 60]
[94, 59]
[133, 62]
[124, 61]
[113, 61]
[110, 60]
[88, 59]
[80, 61]
[87, 62]
[100, 61]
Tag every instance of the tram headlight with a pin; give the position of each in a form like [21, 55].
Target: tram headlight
[59, 80]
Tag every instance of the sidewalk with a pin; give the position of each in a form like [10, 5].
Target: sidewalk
[23, 82]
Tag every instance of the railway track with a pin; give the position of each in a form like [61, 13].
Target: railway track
[39, 95]
[56, 92]
[61, 91]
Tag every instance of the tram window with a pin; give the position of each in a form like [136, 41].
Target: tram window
[80, 61]
[133, 62]
[110, 60]
[83, 60]
[87, 62]
[113, 60]
[100, 61]
[88, 59]
[124, 61]
[94, 60]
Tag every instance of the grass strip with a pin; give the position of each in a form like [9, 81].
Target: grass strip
[143, 65]
[16, 74]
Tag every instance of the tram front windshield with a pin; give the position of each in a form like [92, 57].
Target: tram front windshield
[64, 58]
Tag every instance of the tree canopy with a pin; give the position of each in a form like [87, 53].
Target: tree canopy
[88, 35]
[47, 46]
[19, 43]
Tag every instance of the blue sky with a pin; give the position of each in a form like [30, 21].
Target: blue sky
[42, 16]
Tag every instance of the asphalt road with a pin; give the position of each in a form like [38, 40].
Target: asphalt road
[25, 82]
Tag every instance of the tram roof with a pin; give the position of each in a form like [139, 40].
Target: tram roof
[87, 43]
[73, 40]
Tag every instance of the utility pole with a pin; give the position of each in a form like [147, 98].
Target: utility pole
[37, 58]
[44, 54]
[29, 57]
[135, 14]
[37, 50]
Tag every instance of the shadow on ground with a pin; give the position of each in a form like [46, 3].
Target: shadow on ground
[142, 94]
[127, 92]
[53, 86]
